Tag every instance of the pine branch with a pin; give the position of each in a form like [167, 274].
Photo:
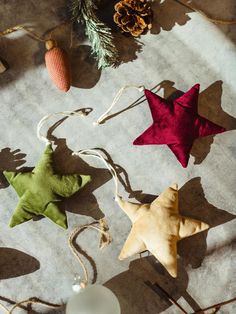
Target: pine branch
[100, 36]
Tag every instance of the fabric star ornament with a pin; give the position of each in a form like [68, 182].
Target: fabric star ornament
[177, 123]
[40, 191]
[157, 227]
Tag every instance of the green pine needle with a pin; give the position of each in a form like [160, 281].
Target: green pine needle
[99, 35]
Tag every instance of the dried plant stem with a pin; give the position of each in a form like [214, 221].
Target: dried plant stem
[215, 306]
[155, 287]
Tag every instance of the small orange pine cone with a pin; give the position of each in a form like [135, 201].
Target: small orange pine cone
[58, 65]
[133, 16]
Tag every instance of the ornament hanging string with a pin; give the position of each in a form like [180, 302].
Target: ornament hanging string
[115, 100]
[105, 240]
[80, 112]
[104, 116]
[85, 152]
[94, 153]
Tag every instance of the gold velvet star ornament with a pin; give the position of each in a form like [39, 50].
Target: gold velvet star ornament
[157, 227]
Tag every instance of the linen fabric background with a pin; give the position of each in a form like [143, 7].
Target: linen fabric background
[184, 50]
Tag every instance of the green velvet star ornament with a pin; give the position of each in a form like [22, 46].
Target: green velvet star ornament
[40, 191]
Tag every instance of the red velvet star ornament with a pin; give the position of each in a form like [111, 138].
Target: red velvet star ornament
[177, 123]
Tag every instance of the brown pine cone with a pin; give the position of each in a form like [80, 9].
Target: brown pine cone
[133, 16]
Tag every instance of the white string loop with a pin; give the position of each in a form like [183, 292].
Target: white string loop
[41, 137]
[94, 153]
[90, 152]
[115, 100]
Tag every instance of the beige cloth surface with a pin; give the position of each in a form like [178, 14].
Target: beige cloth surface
[182, 49]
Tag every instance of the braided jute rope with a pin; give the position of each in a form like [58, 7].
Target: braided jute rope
[18, 28]
[30, 32]
[104, 241]
[103, 230]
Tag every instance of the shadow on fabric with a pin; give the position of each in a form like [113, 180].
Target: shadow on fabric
[193, 203]
[167, 14]
[85, 73]
[14, 263]
[10, 160]
[223, 10]
[136, 297]
[14, 51]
